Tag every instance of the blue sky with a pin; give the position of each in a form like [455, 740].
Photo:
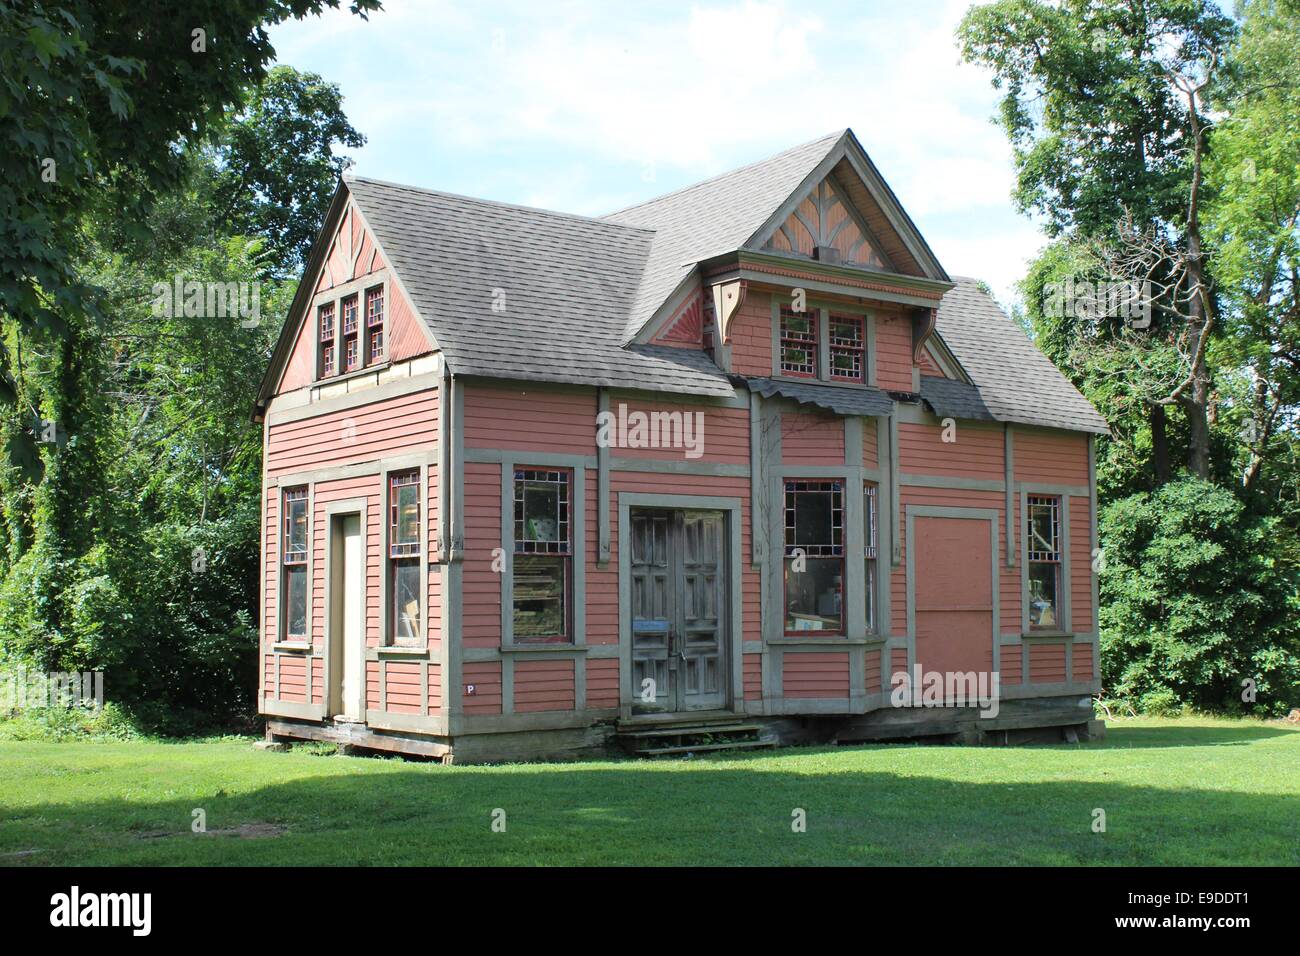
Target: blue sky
[588, 106]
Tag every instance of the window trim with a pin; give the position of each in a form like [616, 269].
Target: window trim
[565, 554]
[871, 553]
[814, 343]
[842, 631]
[359, 287]
[578, 466]
[823, 309]
[1065, 624]
[388, 634]
[861, 348]
[282, 612]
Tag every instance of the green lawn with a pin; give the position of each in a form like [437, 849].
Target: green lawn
[1175, 792]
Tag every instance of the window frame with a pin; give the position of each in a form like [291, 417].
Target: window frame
[563, 554]
[300, 563]
[1064, 575]
[411, 553]
[359, 289]
[368, 328]
[861, 348]
[327, 345]
[871, 556]
[789, 527]
[820, 311]
[811, 345]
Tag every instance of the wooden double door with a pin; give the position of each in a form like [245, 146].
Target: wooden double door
[679, 608]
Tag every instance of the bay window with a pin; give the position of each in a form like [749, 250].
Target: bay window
[814, 556]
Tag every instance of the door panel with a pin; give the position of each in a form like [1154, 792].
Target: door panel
[954, 594]
[652, 610]
[347, 621]
[679, 627]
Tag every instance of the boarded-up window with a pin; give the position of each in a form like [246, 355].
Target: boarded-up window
[540, 577]
[293, 558]
[404, 557]
[814, 556]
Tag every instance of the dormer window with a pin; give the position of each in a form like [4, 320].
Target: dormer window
[798, 343]
[847, 348]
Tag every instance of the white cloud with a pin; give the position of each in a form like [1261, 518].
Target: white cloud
[570, 105]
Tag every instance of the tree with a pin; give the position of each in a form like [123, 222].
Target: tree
[278, 166]
[1103, 106]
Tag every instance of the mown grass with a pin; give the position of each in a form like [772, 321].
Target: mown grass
[1196, 791]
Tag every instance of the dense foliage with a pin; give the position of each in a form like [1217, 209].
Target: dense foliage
[130, 487]
[1160, 140]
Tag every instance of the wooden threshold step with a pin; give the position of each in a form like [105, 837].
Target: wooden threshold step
[734, 745]
[691, 730]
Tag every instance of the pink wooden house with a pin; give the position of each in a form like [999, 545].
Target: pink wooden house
[740, 461]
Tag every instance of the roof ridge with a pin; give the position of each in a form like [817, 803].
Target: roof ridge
[558, 214]
[729, 172]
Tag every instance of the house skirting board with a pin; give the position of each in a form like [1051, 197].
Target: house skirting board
[1023, 720]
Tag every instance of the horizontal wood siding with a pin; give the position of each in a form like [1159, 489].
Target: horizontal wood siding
[521, 419]
[271, 568]
[897, 663]
[723, 437]
[976, 451]
[602, 683]
[816, 675]
[485, 677]
[480, 584]
[293, 678]
[1081, 617]
[435, 688]
[1046, 663]
[1082, 663]
[373, 693]
[752, 674]
[543, 685]
[1052, 457]
[602, 582]
[872, 671]
[1011, 666]
[407, 423]
[402, 691]
[751, 336]
[870, 454]
[893, 351]
[811, 438]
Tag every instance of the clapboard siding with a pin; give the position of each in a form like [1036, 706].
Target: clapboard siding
[893, 352]
[1052, 457]
[976, 451]
[1046, 663]
[602, 683]
[394, 426]
[521, 419]
[811, 438]
[480, 582]
[485, 678]
[751, 336]
[543, 685]
[816, 675]
[1081, 618]
[721, 435]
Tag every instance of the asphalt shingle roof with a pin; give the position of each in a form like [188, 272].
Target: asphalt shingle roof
[573, 291]
[834, 398]
[1017, 383]
[564, 286]
[712, 217]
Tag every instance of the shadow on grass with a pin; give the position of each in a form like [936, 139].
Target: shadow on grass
[633, 813]
[1118, 735]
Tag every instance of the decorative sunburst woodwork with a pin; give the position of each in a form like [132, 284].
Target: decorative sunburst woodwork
[822, 226]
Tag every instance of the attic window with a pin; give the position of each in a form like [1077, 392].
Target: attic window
[351, 353]
[328, 351]
[375, 324]
[798, 343]
[847, 348]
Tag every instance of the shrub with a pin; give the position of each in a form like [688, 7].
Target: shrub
[1198, 595]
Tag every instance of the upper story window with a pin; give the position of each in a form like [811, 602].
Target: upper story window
[328, 351]
[293, 559]
[847, 348]
[351, 353]
[1043, 533]
[350, 338]
[404, 557]
[542, 554]
[375, 324]
[798, 343]
[814, 556]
